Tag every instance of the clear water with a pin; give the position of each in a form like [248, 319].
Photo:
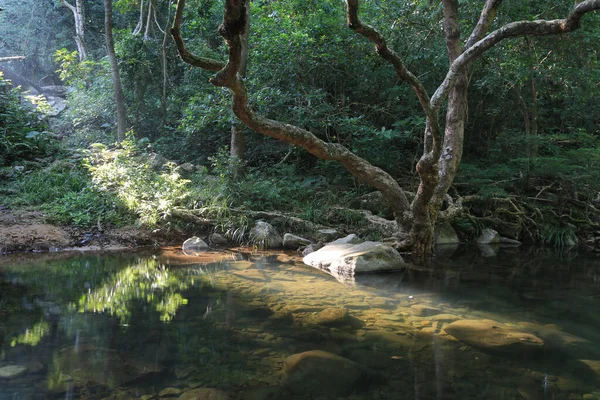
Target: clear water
[133, 326]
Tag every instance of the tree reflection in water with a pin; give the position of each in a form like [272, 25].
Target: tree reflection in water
[147, 281]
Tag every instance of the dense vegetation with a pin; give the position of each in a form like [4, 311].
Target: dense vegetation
[530, 167]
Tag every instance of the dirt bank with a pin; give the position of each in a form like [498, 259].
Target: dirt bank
[28, 230]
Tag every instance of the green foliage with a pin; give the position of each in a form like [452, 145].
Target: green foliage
[71, 70]
[65, 191]
[22, 135]
[151, 192]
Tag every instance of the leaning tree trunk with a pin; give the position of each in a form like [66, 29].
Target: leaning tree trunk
[78, 15]
[114, 69]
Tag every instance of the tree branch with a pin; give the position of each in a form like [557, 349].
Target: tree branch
[200, 62]
[12, 58]
[69, 6]
[393, 58]
[231, 30]
[511, 30]
[488, 14]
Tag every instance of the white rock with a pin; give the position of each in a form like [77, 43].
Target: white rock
[346, 260]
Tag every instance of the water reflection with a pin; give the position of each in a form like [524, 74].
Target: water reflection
[262, 326]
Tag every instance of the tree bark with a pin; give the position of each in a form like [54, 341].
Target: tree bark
[78, 15]
[165, 71]
[238, 139]
[114, 69]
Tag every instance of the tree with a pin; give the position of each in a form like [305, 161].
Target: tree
[78, 15]
[114, 68]
[443, 145]
[238, 142]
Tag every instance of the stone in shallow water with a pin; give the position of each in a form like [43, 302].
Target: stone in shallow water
[422, 310]
[170, 391]
[322, 373]
[12, 371]
[330, 317]
[204, 394]
[194, 245]
[493, 336]
[101, 366]
[343, 261]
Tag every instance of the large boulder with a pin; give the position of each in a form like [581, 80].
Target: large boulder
[346, 260]
[493, 336]
[321, 373]
[445, 235]
[265, 236]
[293, 242]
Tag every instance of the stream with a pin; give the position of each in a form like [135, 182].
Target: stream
[157, 324]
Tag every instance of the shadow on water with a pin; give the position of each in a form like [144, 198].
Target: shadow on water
[262, 326]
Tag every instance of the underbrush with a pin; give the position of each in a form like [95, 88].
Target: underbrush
[64, 190]
[550, 195]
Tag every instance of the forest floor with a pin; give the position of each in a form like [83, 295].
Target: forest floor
[28, 230]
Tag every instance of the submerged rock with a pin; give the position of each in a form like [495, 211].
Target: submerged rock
[265, 236]
[488, 236]
[330, 317]
[422, 310]
[345, 260]
[321, 373]
[86, 363]
[493, 336]
[12, 371]
[204, 394]
[194, 245]
[293, 242]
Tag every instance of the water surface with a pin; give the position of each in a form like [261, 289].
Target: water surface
[133, 326]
